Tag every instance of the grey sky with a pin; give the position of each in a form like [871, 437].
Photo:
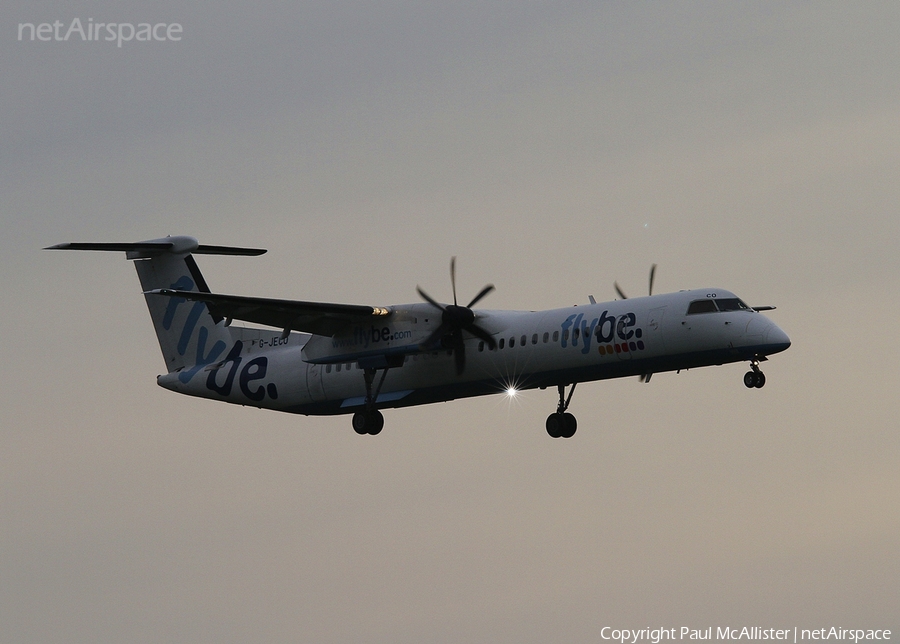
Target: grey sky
[553, 149]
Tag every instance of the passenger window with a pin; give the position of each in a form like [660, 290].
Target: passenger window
[546, 337]
[328, 368]
[534, 339]
[481, 346]
[522, 339]
[556, 336]
[501, 342]
[512, 342]
[565, 335]
[702, 306]
[575, 334]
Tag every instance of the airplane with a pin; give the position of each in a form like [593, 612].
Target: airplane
[328, 359]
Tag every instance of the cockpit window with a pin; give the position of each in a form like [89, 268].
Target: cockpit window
[731, 304]
[711, 306]
[702, 306]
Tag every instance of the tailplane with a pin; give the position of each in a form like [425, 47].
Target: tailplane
[189, 335]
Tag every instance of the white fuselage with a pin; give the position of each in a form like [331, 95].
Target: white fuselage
[307, 374]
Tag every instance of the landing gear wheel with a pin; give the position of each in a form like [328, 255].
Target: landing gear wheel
[555, 425]
[376, 422]
[755, 379]
[569, 425]
[368, 422]
[561, 425]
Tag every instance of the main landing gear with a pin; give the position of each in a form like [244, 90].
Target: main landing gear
[562, 424]
[754, 378]
[370, 421]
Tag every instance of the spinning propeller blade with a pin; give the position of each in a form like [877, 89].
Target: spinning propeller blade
[643, 377]
[427, 298]
[454, 320]
[487, 289]
[650, 290]
[453, 277]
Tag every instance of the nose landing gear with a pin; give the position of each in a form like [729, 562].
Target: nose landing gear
[562, 424]
[754, 378]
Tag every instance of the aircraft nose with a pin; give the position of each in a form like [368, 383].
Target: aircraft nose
[776, 340]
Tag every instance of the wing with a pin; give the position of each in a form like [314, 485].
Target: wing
[289, 315]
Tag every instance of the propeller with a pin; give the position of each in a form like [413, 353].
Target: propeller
[454, 320]
[650, 290]
[644, 377]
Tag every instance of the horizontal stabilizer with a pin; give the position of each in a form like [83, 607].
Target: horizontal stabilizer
[177, 245]
[206, 249]
[158, 247]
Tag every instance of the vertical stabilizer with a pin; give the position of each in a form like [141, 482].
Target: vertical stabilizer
[189, 336]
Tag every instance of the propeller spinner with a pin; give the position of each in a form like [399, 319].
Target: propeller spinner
[454, 320]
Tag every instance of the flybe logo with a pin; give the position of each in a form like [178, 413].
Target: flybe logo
[247, 376]
[613, 334]
[231, 367]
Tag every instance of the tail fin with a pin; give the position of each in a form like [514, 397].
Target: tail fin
[189, 336]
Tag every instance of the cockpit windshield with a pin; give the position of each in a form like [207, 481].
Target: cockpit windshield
[702, 306]
[712, 306]
[731, 304]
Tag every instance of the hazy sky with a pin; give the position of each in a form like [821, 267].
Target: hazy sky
[554, 148]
